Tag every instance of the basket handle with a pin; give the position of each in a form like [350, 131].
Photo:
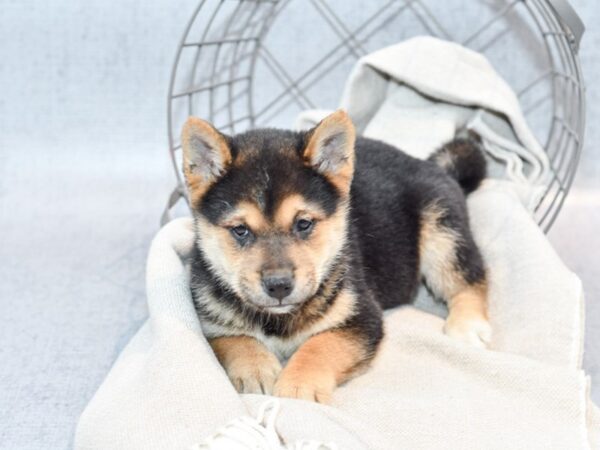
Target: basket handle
[569, 20]
[178, 193]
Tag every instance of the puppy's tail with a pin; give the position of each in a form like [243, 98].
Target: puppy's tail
[462, 158]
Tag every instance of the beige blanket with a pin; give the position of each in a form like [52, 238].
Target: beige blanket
[424, 391]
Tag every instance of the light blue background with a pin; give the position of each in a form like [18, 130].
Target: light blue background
[84, 174]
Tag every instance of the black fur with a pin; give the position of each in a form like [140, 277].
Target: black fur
[462, 158]
[268, 175]
[389, 192]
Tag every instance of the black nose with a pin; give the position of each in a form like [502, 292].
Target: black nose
[278, 286]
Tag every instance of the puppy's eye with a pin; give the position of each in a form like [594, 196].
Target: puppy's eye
[240, 232]
[303, 225]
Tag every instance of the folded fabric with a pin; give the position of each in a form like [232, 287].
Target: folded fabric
[416, 94]
[167, 390]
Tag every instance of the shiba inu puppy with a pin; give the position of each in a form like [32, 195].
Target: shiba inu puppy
[303, 238]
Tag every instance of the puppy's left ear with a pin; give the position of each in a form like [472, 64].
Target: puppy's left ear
[330, 149]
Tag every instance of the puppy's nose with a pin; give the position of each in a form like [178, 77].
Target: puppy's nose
[277, 284]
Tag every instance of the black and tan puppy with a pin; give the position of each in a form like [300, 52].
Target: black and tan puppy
[304, 237]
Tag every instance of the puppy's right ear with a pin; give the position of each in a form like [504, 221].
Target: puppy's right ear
[206, 155]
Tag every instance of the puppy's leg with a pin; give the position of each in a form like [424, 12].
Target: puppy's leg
[454, 270]
[251, 367]
[323, 362]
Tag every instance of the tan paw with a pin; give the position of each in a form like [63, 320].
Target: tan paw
[254, 375]
[472, 330]
[314, 388]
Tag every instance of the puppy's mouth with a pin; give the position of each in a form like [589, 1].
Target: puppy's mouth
[289, 304]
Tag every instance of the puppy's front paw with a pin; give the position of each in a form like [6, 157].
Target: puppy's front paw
[314, 387]
[254, 374]
[474, 330]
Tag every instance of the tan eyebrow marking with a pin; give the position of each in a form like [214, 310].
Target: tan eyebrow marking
[293, 206]
[246, 213]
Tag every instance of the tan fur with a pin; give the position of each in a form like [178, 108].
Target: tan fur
[249, 214]
[470, 303]
[239, 267]
[198, 184]
[295, 207]
[323, 362]
[467, 318]
[467, 304]
[328, 238]
[437, 251]
[337, 122]
[249, 365]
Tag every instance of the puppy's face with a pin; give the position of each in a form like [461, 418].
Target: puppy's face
[270, 206]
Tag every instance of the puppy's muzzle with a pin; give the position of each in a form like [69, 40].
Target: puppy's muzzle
[278, 284]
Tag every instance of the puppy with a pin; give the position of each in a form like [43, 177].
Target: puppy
[302, 238]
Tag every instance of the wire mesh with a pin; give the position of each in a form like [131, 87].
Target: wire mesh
[233, 68]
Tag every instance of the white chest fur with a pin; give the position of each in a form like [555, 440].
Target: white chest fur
[285, 347]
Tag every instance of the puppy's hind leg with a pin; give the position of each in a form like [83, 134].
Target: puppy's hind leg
[454, 270]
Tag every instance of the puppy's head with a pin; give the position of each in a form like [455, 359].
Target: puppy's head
[270, 206]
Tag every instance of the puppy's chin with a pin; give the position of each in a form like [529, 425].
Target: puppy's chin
[283, 309]
[272, 307]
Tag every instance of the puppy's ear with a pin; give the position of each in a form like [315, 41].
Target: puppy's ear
[330, 149]
[206, 155]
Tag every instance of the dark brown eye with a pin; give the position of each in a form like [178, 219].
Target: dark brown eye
[240, 232]
[304, 225]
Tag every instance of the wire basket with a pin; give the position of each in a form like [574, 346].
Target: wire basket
[237, 67]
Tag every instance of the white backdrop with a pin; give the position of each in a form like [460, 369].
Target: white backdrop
[84, 174]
